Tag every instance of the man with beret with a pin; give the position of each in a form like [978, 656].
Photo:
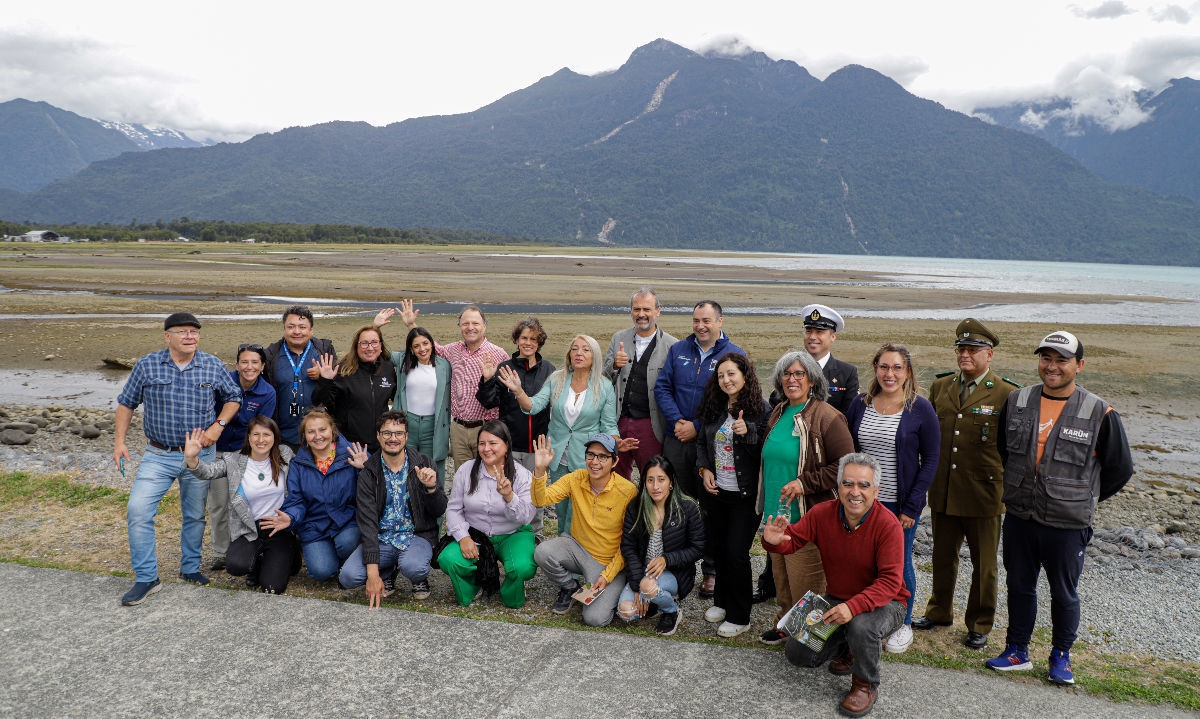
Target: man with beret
[181, 388]
[1064, 449]
[964, 498]
[821, 325]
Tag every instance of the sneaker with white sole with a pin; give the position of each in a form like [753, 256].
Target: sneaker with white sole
[421, 589]
[1060, 667]
[900, 640]
[714, 615]
[729, 629]
[140, 591]
[668, 622]
[1012, 659]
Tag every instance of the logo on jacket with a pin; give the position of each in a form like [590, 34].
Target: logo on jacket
[1077, 435]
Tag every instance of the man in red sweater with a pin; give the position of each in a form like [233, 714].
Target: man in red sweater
[862, 550]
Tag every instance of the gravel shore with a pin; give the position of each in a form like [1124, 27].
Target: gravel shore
[1138, 586]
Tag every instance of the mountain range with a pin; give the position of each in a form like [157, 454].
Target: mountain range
[1162, 153]
[40, 143]
[675, 149]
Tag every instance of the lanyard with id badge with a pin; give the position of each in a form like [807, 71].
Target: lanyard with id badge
[294, 407]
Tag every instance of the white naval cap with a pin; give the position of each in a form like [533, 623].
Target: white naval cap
[822, 317]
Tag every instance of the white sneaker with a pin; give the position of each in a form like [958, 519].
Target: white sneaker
[900, 640]
[728, 629]
[714, 615]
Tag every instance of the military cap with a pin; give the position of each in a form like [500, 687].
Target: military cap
[823, 318]
[181, 319]
[973, 333]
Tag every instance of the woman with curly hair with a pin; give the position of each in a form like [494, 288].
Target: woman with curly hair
[733, 416]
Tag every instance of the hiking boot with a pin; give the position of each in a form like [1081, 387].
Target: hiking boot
[843, 665]
[562, 604]
[860, 699]
[139, 592]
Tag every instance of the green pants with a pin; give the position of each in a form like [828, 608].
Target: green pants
[515, 552]
[420, 438]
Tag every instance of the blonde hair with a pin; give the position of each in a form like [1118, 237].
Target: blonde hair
[562, 377]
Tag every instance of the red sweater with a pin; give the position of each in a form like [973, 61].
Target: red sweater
[865, 568]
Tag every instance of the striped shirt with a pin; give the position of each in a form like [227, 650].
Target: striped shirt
[464, 378]
[178, 400]
[877, 437]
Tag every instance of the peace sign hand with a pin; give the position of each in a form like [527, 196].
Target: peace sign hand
[504, 485]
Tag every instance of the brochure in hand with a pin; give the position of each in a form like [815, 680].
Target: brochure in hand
[803, 621]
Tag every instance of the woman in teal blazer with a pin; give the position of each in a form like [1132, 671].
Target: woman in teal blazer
[582, 403]
[423, 392]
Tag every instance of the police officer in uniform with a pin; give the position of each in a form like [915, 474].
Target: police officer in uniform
[965, 496]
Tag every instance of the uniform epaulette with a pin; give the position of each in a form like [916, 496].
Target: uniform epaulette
[1014, 384]
[944, 374]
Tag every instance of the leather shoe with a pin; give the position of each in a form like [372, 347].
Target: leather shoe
[708, 586]
[841, 666]
[923, 623]
[760, 596]
[975, 640]
[860, 699]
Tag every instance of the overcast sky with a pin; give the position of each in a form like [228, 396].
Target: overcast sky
[226, 70]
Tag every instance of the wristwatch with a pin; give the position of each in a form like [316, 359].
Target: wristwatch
[222, 422]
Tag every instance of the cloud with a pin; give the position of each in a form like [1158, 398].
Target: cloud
[1171, 13]
[1106, 10]
[904, 69]
[725, 46]
[100, 80]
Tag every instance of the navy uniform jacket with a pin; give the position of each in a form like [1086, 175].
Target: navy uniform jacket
[843, 383]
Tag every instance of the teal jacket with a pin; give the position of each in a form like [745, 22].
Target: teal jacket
[441, 425]
[594, 417]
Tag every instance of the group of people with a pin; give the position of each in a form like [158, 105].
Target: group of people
[341, 463]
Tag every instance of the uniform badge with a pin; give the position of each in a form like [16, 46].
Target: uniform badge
[816, 315]
[987, 409]
[988, 383]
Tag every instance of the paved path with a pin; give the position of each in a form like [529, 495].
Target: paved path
[68, 649]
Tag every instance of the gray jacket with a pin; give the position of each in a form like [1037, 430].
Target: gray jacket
[657, 359]
[232, 467]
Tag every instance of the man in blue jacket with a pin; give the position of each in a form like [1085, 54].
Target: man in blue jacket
[678, 389]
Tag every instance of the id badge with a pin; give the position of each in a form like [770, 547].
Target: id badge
[294, 409]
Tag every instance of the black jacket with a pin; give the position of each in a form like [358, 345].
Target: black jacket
[747, 450]
[683, 544]
[320, 347]
[492, 393]
[425, 503]
[357, 400]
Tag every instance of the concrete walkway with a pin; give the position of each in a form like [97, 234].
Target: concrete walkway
[68, 649]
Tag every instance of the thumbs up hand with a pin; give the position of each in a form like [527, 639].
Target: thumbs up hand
[739, 424]
[621, 359]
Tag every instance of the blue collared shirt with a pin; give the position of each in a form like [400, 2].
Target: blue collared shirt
[178, 400]
[396, 524]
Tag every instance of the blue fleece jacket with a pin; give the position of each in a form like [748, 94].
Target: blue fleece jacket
[259, 399]
[682, 379]
[321, 505]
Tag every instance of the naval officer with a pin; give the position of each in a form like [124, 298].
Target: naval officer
[965, 496]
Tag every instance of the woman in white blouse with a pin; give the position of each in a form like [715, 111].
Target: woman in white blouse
[257, 487]
[423, 391]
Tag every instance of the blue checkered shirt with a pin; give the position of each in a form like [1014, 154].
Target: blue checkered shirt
[178, 400]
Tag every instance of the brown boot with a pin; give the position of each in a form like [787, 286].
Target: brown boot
[860, 699]
[841, 666]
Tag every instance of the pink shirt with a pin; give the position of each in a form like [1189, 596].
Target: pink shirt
[464, 378]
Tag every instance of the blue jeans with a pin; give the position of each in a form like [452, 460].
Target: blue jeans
[664, 600]
[563, 508]
[157, 471]
[910, 574]
[413, 563]
[324, 556]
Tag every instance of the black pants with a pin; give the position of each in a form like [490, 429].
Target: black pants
[731, 524]
[271, 560]
[862, 636]
[1028, 548]
[682, 456]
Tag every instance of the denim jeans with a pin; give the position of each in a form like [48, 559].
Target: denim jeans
[324, 556]
[413, 563]
[910, 574]
[664, 600]
[157, 471]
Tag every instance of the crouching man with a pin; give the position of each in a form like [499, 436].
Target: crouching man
[862, 551]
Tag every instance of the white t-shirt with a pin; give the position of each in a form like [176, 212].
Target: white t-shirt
[420, 391]
[263, 495]
[640, 344]
[723, 468]
[574, 405]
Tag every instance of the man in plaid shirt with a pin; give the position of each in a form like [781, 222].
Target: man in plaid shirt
[465, 358]
[180, 388]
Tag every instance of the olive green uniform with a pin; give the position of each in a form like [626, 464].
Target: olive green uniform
[965, 496]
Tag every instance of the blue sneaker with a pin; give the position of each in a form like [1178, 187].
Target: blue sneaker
[195, 578]
[140, 591]
[1013, 658]
[1060, 667]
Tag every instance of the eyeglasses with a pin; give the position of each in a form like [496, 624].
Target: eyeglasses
[968, 349]
[252, 348]
[850, 484]
[184, 333]
[369, 343]
[895, 368]
[788, 374]
[593, 457]
[386, 434]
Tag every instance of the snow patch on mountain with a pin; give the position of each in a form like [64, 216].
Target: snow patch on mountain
[151, 138]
